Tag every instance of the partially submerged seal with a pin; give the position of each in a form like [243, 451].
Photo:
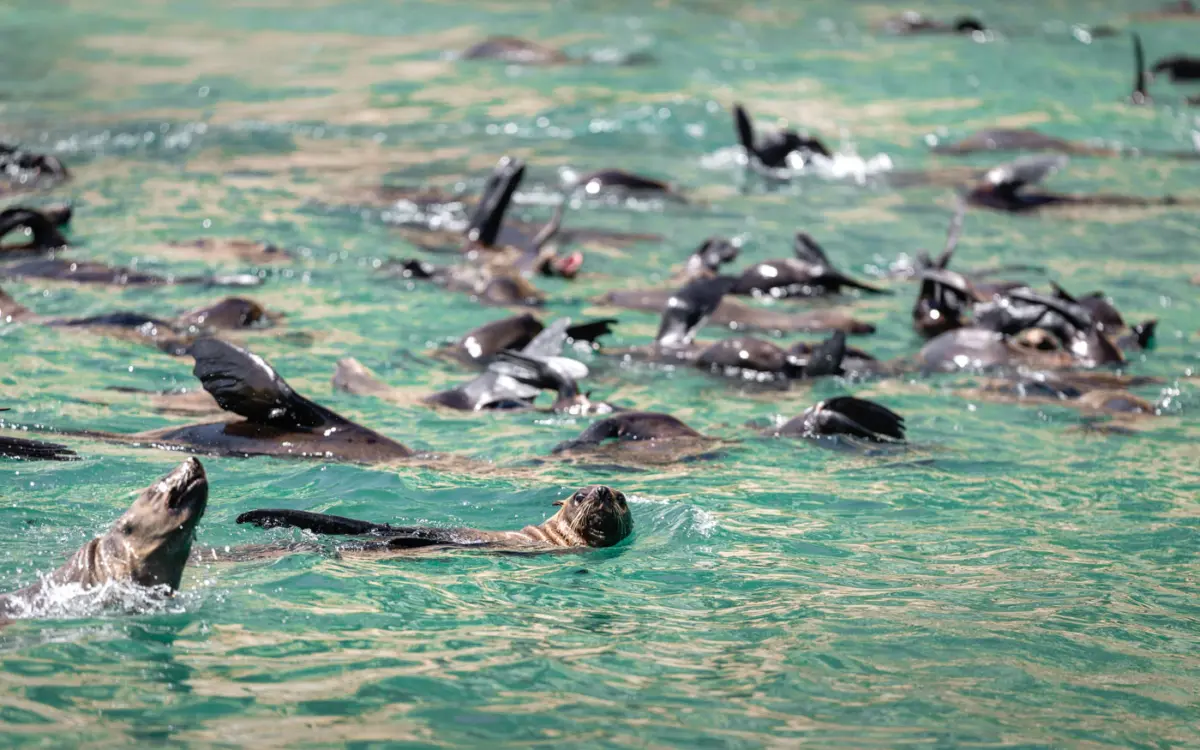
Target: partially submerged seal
[845, 417]
[772, 149]
[596, 516]
[809, 274]
[147, 546]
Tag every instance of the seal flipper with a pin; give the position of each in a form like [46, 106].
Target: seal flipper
[45, 235]
[34, 450]
[745, 130]
[827, 357]
[1140, 95]
[1143, 333]
[243, 383]
[591, 330]
[807, 250]
[318, 523]
[487, 198]
[689, 308]
[538, 374]
[847, 415]
[496, 204]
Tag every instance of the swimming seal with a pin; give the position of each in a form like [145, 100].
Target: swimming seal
[640, 433]
[147, 546]
[91, 272]
[845, 417]
[25, 170]
[477, 347]
[42, 226]
[593, 517]
[910, 22]
[544, 375]
[24, 449]
[1008, 188]
[620, 183]
[773, 148]
[515, 51]
[808, 274]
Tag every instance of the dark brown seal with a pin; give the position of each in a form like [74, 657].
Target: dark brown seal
[771, 149]
[808, 274]
[845, 417]
[147, 546]
[596, 516]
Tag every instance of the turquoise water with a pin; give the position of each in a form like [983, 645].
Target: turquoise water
[1015, 580]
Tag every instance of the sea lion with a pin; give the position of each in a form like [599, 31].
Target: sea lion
[641, 436]
[1007, 188]
[91, 272]
[25, 170]
[773, 148]
[705, 262]
[514, 51]
[477, 347]
[1068, 389]
[25, 449]
[845, 417]
[276, 421]
[41, 225]
[542, 374]
[593, 517]
[618, 182]
[742, 357]
[911, 22]
[171, 336]
[809, 274]
[1178, 67]
[148, 546]
[1109, 320]
[256, 252]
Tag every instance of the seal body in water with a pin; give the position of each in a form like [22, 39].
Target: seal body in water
[639, 437]
[911, 22]
[276, 421]
[515, 51]
[773, 148]
[1009, 188]
[596, 516]
[808, 274]
[147, 546]
[845, 417]
[42, 225]
[478, 346]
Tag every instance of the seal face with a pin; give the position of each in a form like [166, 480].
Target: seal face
[597, 515]
[148, 545]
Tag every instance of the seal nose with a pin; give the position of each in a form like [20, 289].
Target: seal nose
[187, 482]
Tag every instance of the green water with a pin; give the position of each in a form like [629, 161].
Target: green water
[1014, 581]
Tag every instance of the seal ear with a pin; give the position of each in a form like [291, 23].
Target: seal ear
[745, 129]
[318, 523]
[860, 418]
[559, 503]
[688, 309]
[245, 384]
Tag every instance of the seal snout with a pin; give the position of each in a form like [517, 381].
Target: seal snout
[186, 486]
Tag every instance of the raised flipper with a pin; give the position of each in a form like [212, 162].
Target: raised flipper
[806, 249]
[486, 198]
[34, 450]
[495, 205]
[318, 523]
[243, 383]
[537, 373]
[745, 129]
[591, 330]
[1140, 94]
[689, 308]
[548, 344]
[1143, 333]
[45, 235]
[551, 229]
[827, 357]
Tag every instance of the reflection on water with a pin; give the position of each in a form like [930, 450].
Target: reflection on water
[1019, 577]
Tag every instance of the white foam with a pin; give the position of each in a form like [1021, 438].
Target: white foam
[72, 601]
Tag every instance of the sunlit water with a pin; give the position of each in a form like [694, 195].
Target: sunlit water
[1013, 580]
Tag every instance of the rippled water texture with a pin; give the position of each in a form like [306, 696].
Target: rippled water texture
[1012, 580]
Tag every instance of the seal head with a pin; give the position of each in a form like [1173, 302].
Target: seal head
[597, 515]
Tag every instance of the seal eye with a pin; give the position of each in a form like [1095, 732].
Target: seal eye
[127, 529]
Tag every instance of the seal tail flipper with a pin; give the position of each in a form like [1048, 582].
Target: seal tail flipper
[1140, 93]
[488, 229]
[745, 129]
[318, 523]
[34, 450]
[865, 419]
[689, 308]
[591, 330]
[827, 357]
[243, 383]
